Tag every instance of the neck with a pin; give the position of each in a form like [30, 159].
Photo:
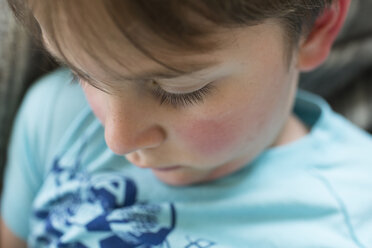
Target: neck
[293, 130]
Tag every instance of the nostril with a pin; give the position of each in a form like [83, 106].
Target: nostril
[135, 159]
[118, 144]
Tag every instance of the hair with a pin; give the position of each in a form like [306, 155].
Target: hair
[181, 24]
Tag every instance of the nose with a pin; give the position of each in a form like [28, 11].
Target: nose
[130, 128]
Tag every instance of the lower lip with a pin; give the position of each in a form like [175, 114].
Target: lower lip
[168, 169]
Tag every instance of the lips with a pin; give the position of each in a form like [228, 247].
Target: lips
[171, 168]
[152, 167]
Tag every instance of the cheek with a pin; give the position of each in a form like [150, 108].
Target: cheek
[209, 137]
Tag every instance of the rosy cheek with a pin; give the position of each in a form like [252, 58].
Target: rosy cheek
[209, 137]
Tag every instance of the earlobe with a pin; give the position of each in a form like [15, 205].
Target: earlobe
[314, 49]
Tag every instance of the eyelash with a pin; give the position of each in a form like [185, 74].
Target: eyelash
[182, 99]
[173, 99]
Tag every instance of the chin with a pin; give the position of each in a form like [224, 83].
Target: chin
[180, 179]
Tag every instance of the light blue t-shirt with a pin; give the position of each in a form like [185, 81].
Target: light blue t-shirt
[65, 188]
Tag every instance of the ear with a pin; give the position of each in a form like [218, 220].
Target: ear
[315, 48]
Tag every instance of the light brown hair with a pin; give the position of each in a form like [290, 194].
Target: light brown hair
[176, 22]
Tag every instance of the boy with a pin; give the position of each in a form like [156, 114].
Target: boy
[201, 97]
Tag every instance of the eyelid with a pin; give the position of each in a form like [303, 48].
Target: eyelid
[177, 100]
[183, 90]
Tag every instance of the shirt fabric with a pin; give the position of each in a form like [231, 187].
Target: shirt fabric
[65, 188]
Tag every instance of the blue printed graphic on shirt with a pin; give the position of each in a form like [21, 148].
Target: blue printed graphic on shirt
[199, 243]
[98, 210]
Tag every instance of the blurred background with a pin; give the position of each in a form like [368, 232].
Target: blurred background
[345, 80]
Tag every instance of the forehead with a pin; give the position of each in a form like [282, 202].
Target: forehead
[93, 44]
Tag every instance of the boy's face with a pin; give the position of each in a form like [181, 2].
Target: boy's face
[246, 112]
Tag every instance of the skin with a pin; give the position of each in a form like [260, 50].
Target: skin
[248, 110]
[8, 239]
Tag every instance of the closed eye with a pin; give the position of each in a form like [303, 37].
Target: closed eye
[175, 100]
[182, 99]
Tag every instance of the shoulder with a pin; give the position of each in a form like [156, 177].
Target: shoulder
[333, 139]
[55, 90]
[326, 124]
[342, 164]
[49, 107]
